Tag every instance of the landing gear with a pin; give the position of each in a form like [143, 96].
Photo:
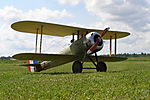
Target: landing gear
[101, 67]
[77, 67]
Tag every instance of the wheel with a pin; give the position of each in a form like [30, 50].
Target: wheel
[77, 67]
[101, 67]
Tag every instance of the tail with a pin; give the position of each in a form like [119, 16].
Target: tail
[33, 66]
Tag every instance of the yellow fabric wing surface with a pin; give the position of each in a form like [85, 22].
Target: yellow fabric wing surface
[60, 30]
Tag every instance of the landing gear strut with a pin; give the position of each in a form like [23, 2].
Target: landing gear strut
[77, 67]
[100, 66]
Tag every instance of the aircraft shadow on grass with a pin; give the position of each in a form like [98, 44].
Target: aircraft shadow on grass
[61, 73]
[119, 71]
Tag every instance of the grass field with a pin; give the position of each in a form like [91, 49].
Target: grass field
[128, 80]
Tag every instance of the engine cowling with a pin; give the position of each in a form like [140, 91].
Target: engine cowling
[93, 38]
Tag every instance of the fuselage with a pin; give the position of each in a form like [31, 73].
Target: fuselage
[78, 49]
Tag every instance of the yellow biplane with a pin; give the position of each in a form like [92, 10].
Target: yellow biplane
[88, 42]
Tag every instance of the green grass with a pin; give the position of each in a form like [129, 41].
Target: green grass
[128, 80]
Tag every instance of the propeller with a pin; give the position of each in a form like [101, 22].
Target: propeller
[98, 40]
[105, 31]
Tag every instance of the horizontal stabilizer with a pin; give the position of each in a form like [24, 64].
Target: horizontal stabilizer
[30, 65]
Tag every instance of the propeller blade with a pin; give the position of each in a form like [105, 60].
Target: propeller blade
[105, 31]
[94, 46]
[97, 41]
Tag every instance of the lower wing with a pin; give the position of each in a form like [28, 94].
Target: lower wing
[43, 57]
[52, 60]
[64, 58]
[106, 58]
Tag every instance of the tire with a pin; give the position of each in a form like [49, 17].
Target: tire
[101, 67]
[77, 67]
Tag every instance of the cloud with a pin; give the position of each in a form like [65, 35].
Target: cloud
[133, 13]
[9, 12]
[45, 14]
[12, 13]
[13, 42]
[130, 12]
[70, 2]
[125, 15]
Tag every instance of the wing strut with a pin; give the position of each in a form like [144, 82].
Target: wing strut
[72, 38]
[110, 46]
[41, 38]
[115, 49]
[36, 40]
[115, 44]
[78, 35]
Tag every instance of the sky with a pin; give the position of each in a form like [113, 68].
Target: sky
[120, 15]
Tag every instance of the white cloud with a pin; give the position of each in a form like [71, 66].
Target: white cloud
[43, 14]
[125, 15]
[13, 42]
[129, 12]
[70, 2]
[132, 13]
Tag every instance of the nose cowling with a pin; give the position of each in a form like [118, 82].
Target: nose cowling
[93, 36]
[96, 42]
[99, 39]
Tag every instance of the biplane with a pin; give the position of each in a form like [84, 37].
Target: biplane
[82, 49]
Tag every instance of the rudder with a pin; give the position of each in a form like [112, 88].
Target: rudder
[34, 68]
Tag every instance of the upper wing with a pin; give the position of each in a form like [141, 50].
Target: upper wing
[106, 59]
[60, 30]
